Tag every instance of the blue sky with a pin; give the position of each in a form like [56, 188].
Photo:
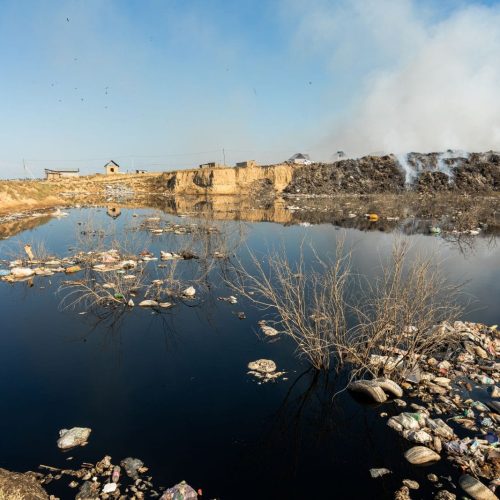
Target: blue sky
[161, 84]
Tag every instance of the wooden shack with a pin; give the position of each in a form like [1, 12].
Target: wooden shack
[55, 175]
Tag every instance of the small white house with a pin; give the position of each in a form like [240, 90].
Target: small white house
[112, 168]
[300, 159]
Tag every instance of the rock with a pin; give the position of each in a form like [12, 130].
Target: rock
[432, 478]
[442, 381]
[389, 386]
[148, 303]
[269, 331]
[18, 486]
[262, 366]
[444, 365]
[374, 473]
[494, 391]
[436, 389]
[368, 388]
[480, 352]
[189, 292]
[475, 489]
[181, 491]
[419, 455]
[88, 491]
[413, 485]
[402, 494]
[438, 445]
[77, 436]
[130, 303]
[165, 305]
[132, 466]
[444, 495]
[400, 403]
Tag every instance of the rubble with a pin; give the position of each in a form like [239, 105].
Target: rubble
[443, 390]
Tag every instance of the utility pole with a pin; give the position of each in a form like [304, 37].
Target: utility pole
[224, 155]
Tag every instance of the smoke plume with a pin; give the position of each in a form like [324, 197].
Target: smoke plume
[426, 80]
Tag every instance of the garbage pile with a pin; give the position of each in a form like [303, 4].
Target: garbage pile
[107, 480]
[454, 401]
[114, 192]
[105, 277]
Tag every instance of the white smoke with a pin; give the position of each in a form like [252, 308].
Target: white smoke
[429, 80]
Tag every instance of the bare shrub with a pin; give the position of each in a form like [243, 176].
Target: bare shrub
[308, 301]
[402, 314]
[396, 319]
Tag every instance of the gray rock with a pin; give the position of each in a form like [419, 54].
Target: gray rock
[475, 489]
[181, 491]
[132, 466]
[444, 495]
[77, 436]
[421, 455]
[413, 485]
[374, 473]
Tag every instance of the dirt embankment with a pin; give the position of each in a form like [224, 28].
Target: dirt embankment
[230, 181]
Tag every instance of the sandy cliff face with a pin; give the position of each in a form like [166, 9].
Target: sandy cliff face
[229, 181]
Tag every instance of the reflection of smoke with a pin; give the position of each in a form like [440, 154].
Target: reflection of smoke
[414, 163]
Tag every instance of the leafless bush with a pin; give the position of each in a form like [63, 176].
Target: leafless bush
[402, 314]
[308, 301]
[398, 317]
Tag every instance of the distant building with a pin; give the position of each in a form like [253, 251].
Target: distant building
[114, 211]
[54, 175]
[300, 159]
[140, 171]
[212, 164]
[248, 163]
[112, 168]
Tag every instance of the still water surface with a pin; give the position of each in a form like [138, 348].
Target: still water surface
[172, 388]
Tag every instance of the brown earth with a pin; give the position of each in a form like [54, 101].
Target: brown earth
[17, 486]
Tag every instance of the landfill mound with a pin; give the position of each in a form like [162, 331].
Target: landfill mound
[424, 172]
